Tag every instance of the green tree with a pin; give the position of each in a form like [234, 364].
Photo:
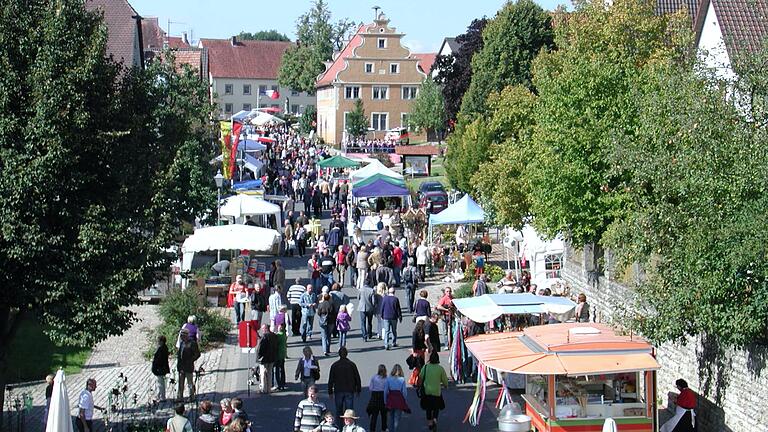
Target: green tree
[511, 40]
[696, 179]
[317, 38]
[264, 35]
[357, 123]
[99, 166]
[428, 110]
[308, 120]
[584, 106]
[468, 147]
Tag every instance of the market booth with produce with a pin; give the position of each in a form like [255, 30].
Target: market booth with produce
[577, 375]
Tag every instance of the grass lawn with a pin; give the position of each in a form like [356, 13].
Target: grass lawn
[32, 355]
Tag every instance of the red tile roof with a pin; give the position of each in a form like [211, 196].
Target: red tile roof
[247, 59]
[744, 24]
[123, 29]
[339, 64]
[422, 150]
[425, 61]
[176, 42]
[152, 33]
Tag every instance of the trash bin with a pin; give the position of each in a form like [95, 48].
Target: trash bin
[511, 419]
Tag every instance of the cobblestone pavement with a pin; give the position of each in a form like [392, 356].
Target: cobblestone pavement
[135, 405]
[128, 348]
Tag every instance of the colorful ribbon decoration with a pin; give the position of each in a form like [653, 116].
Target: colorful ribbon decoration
[475, 410]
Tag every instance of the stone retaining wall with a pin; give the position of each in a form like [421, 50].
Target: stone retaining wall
[732, 384]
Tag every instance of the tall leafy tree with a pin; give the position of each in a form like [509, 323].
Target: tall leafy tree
[265, 35]
[308, 120]
[454, 71]
[316, 40]
[428, 110]
[357, 122]
[510, 43]
[99, 165]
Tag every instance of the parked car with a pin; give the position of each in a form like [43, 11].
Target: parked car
[398, 134]
[430, 186]
[433, 202]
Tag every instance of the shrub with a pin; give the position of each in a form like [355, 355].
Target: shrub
[494, 272]
[177, 306]
[465, 290]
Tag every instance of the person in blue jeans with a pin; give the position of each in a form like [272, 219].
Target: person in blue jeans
[344, 382]
[390, 315]
[308, 303]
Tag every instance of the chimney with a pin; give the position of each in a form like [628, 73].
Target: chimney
[184, 38]
[234, 40]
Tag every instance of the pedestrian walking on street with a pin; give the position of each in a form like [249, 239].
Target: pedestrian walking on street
[225, 416]
[86, 406]
[394, 397]
[308, 304]
[378, 296]
[310, 412]
[237, 410]
[328, 424]
[307, 370]
[362, 266]
[344, 382]
[294, 299]
[160, 367]
[432, 333]
[259, 302]
[410, 278]
[207, 422]
[267, 354]
[433, 378]
[324, 311]
[187, 356]
[422, 309]
[343, 320]
[391, 314]
[365, 306]
[350, 422]
[376, 405]
[338, 299]
[282, 354]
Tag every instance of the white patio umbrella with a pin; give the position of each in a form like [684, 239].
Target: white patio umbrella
[263, 118]
[227, 237]
[59, 416]
[609, 425]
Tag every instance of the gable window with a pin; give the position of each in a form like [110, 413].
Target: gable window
[228, 89]
[246, 107]
[394, 68]
[379, 92]
[369, 68]
[352, 92]
[262, 90]
[382, 43]
[379, 121]
[246, 89]
[410, 92]
[228, 108]
[553, 264]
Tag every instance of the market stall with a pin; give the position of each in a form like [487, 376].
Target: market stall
[577, 375]
[338, 161]
[374, 167]
[463, 212]
[241, 205]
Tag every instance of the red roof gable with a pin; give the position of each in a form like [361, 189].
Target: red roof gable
[123, 30]
[247, 59]
[425, 61]
[339, 64]
[151, 32]
[176, 42]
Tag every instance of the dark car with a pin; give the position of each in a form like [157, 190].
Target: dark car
[434, 202]
[430, 186]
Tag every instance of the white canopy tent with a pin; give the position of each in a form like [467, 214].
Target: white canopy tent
[262, 118]
[227, 237]
[241, 205]
[375, 167]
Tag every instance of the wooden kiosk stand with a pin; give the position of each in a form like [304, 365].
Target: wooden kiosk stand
[577, 375]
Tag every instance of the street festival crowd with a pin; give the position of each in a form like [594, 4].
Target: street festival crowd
[395, 259]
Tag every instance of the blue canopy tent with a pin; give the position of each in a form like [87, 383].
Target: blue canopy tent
[488, 307]
[251, 145]
[462, 212]
[379, 188]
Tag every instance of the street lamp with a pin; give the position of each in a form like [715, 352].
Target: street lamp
[219, 184]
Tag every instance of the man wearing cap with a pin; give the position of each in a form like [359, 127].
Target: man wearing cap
[391, 314]
[350, 422]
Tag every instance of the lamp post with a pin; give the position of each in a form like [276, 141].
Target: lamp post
[219, 184]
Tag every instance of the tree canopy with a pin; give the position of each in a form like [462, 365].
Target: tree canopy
[357, 122]
[317, 39]
[100, 165]
[511, 40]
[428, 110]
[454, 72]
[308, 120]
[265, 35]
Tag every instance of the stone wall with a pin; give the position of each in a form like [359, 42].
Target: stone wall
[732, 384]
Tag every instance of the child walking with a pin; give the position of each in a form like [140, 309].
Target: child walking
[342, 325]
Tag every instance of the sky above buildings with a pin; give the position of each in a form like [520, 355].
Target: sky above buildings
[425, 22]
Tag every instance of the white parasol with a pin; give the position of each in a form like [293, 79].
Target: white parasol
[59, 417]
[263, 118]
[247, 205]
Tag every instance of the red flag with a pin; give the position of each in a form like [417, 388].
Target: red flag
[236, 127]
[273, 94]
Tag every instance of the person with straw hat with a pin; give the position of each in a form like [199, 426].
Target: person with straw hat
[350, 422]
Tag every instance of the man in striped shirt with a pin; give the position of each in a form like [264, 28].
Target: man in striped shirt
[310, 412]
[294, 298]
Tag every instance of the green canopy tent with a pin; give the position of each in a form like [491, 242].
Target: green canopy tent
[338, 161]
[373, 178]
